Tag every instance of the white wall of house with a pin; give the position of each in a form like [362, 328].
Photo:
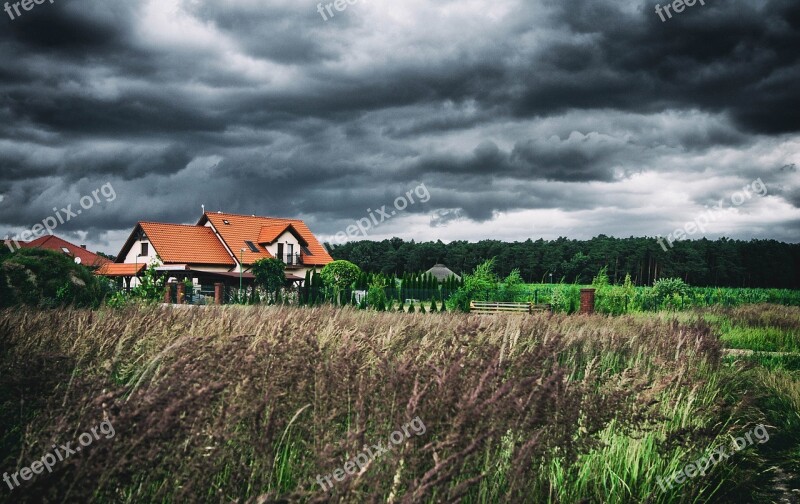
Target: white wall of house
[136, 250]
[288, 240]
[212, 269]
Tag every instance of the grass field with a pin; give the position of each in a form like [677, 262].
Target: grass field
[251, 404]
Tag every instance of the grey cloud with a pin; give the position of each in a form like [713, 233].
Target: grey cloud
[513, 106]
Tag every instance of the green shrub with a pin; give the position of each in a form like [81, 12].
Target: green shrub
[477, 286]
[566, 298]
[340, 276]
[48, 279]
[670, 293]
[270, 276]
[376, 295]
[613, 299]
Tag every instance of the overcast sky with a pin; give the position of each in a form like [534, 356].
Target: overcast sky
[522, 118]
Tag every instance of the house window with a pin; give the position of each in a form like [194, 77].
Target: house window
[251, 246]
[65, 250]
[145, 249]
[280, 252]
[226, 222]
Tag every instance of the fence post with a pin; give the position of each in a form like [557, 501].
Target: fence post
[218, 293]
[587, 301]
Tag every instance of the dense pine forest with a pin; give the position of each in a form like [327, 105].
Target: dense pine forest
[722, 263]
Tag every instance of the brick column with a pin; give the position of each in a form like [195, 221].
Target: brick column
[181, 292]
[587, 301]
[168, 293]
[218, 289]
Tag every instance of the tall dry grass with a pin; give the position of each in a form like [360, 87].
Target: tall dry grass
[241, 404]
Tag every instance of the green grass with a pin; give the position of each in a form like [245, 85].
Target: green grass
[762, 339]
[770, 362]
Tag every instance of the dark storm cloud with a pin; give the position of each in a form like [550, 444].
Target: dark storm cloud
[737, 56]
[578, 158]
[58, 29]
[506, 106]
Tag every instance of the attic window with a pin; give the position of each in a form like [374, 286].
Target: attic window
[305, 250]
[251, 246]
[65, 250]
[226, 222]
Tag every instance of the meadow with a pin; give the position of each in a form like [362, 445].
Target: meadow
[251, 404]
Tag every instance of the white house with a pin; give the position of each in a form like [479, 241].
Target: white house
[220, 247]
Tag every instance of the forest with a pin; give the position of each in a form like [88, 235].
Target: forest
[705, 263]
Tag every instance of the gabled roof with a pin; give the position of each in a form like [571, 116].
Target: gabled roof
[272, 232]
[180, 243]
[241, 228]
[441, 272]
[54, 243]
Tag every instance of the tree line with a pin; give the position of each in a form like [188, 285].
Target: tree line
[709, 263]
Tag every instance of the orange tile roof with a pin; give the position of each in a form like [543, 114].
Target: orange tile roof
[119, 270]
[51, 242]
[273, 231]
[248, 227]
[179, 243]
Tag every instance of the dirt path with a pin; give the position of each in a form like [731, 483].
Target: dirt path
[738, 351]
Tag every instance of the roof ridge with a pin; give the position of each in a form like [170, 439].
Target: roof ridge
[251, 216]
[170, 224]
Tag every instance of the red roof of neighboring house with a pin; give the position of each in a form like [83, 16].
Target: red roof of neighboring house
[241, 228]
[179, 243]
[120, 270]
[51, 242]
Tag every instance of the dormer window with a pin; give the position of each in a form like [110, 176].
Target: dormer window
[251, 246]
[226, 222]
[65, 250]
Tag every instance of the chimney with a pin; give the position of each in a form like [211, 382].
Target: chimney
[83, 247]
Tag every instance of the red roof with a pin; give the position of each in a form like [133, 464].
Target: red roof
[120, 270]
[241, 228]
[178, 243]
[51, 242]
[273, 231]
